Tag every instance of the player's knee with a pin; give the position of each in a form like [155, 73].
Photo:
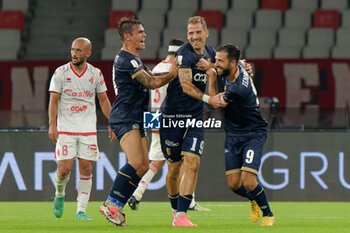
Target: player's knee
[191, 166]
[233, 185]
[173, 171]
[249, 181]
[157, 165]
[63, 172]
[249, 184]
[85, 170]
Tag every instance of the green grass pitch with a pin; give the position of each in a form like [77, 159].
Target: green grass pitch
[155, 217]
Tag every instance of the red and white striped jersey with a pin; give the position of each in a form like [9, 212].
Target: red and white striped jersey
[76, 106]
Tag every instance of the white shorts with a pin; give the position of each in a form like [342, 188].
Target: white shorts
[74, 146]
[155, 152]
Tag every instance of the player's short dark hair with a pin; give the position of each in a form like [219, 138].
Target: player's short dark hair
[125, 25]
[176, 42]
[233, 52]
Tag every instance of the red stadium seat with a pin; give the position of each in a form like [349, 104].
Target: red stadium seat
[214, 18]
[12, 20]
[275, 4]
[327, 18]
[115, 16]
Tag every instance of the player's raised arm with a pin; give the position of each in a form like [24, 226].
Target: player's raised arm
[248, 67]
[151, 81]
[212, 82]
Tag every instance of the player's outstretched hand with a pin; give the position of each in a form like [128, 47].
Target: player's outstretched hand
[248, 67]
[218, 101]
[112, 135]
[53, 134]
[203, 64]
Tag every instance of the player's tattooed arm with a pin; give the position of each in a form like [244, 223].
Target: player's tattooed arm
[185, 77]
[151, 81]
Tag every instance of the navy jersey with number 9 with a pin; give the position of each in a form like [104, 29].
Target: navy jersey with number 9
[242, 114]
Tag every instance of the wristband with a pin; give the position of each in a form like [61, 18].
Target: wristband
[205, 98]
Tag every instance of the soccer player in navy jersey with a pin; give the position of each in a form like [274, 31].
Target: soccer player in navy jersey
[184, 146]
[131, 82]
[246, 131]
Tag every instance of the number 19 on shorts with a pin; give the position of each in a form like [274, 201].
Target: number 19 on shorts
[194, 146]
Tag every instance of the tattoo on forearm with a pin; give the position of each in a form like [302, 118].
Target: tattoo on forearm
[145, 80]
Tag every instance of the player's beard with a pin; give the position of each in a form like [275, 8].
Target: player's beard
[226, 71]
[78, 63]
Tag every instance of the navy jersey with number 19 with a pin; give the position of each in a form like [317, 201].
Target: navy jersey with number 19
[176, 100]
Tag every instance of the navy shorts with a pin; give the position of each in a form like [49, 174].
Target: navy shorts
[122, 128]
[176, 142]
[244, 153]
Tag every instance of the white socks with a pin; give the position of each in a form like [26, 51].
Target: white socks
[143, 184]
[193, 202]
[84, 190]
[61, 186]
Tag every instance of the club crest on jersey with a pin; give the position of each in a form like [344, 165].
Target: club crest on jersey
[134, 64]
[91, 80]
[179, 60]
[68, 80]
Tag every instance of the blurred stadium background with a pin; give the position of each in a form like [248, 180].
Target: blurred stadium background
[300, 51]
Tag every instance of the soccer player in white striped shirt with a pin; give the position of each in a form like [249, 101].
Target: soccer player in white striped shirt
[72, 122]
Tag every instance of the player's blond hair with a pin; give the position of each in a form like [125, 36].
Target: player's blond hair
[197, 19]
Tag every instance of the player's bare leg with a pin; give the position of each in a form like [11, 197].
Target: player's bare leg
[128, 177]
[187, 186]
[235, 184]
[252, 186]
[62, 178]
[172, 184]
[84, 188]
[154, 168]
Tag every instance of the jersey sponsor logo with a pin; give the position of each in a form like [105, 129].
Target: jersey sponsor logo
[92, 147]
[200, 78]
[135, 64]
[78, 108]
[171, 143]
[78, 93]
[151, 120]
[91, 80]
